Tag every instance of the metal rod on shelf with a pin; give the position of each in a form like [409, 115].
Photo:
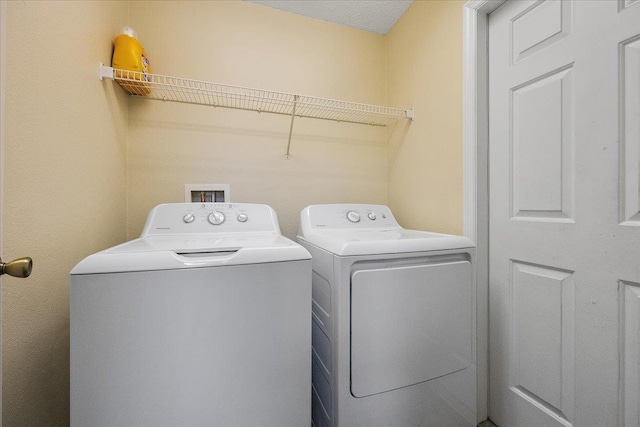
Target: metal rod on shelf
[293, 116]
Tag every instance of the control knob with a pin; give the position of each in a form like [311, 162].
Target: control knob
[189, 218]
[372, 216]
[216, 218]
[353, 216]
[242, 217]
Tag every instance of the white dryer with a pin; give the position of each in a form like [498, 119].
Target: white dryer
[393, 321]
[202, 321]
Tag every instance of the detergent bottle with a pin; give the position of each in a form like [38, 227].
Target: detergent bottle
[129, 55]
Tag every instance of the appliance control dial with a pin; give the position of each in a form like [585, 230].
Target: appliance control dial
[189, 218]
[372, 216]
[353, 216]
[216, 218]
[242, 217]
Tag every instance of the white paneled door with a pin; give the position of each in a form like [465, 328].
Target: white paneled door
[564, 240]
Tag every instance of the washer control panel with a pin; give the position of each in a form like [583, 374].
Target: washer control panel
[171, 218]
[348, 216]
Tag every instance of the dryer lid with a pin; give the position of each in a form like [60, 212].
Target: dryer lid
[354, 229]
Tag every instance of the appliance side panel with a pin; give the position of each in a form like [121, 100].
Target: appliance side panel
[323, 336]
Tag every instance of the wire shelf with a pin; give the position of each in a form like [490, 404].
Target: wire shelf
[176, 89]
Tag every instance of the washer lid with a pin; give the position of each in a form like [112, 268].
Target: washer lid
[368, 230]
[192, 235]
[192, 251]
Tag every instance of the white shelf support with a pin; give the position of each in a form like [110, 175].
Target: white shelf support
[106, 72]
[176, 89]
[293, 116]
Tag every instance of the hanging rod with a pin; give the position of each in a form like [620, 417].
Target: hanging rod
[176, 89]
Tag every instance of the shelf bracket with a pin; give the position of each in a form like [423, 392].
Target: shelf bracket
[293, 116]
[106, 72]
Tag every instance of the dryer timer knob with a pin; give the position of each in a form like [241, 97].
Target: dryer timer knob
[216, 218]
[353, 216]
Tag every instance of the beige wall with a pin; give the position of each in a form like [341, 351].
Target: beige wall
[64, 188]
[424, 70]
[84, 163]
[248, 45]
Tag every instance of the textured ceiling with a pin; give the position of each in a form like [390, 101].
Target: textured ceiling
[377, 16]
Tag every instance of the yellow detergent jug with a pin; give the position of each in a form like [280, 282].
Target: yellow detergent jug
[129, 55]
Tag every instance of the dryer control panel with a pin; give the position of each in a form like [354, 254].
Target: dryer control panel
[349, 216]
[175, 218]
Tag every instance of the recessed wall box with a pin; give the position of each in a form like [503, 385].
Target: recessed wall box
[207, 193]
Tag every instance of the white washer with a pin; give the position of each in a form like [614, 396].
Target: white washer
[393, 321]
[202, 321]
